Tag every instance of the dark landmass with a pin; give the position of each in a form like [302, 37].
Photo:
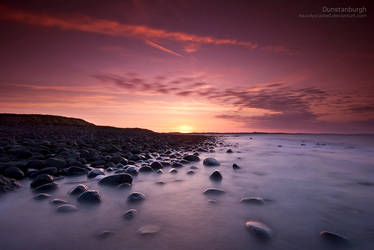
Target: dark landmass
[33, 145]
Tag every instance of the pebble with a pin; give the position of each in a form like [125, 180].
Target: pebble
[14, 172]
[235, 166]
[191, 158]
[41, 196]
[213, 191]
[135, 197]
[216, 176]
[79, 189]
[58, 202]
[49, 187]
[89, 197]
[333, 238]
[149, 229]
[41, 180]
[210, 162]
[259, 229]
[173, 171]
[253, 200]
[95, 172]
[66, 208]
[130, 214]
[115, 180]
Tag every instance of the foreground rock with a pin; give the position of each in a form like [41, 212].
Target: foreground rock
[260, 230]
[66, 208]
[46, 188]
[42, 196]
[253, 200]
[214, 191]
[115, 180]
[235, 166]
[191, 158]
[7, 184]
[89, 197]
[94, 173]
[149, 229]
[334, 238]
[79, 189]
[14, 172]
[211, 162]
[136, 197]
[216, 176]
[130, 214]
[41, 180]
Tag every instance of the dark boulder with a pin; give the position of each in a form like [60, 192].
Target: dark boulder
[210, 162]
[14, 172]
[191, 158]
[156, 165]
[94, 173]
[78, 189]
[41, 180]
[115, 180]
[135, 197]
[49, 187]
[216, 176]
[130, 214]
[145, 169]
[75, 171]
[89, 197]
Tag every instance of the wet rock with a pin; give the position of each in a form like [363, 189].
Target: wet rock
[95, 172]
[160, 183]
[191, 158]
[229, 151]
[50, 171]
[78, 189]
[130, 214]
[58, 202]
[66, 208]
[145, 169]
[20, 152]
[156, 165]
[210, 162]
[135, 197]
[41, 180]
[333, 238]
[260, 230]
[190, 172]
[216, 176]
[173, 171]
[37, 164]
[194, 167]
[75, 171]
[89, 197]
[104, 235]
[115, 180]
[41, 196]
[235, 166]
[253, 200]
[213, 191]
[176, 165]
[159, 171]
[56, 162]
[14, 172]
[49, 187]
[132, 170]
[149, 229]
[124, 186]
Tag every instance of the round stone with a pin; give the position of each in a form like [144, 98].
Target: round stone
[210, 162]
[216, 176]
[130, 214]
[135, 197]
[259, 229]
[90, 197]
[66, 208]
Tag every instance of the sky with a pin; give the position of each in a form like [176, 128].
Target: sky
[191, 66]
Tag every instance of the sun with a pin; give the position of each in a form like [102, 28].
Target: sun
[185, 129]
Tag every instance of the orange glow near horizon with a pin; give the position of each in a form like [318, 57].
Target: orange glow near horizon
[185, 129]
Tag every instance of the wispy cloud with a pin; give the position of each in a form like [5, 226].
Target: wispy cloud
[190, 42]
[158, 46]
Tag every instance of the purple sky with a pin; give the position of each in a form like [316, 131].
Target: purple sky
[226, 66]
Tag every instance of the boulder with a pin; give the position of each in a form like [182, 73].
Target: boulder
[216, 176]
[49, 187]
[14, 172]
[213, 191]
[210, 162]
[75, 171]
[130, 214]
[78, 189]
[191, 158]
[41, 180]
[135, 197]
[94, 173]
[66, 208]
[115, 180]
[260, 230]
[89, 197]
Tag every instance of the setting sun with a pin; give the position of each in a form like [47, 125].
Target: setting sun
[184, 129]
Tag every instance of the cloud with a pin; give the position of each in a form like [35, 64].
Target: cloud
[88, 24]
[158, 46]
[270, 105]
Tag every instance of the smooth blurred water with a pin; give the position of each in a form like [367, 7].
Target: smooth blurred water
[309, 189]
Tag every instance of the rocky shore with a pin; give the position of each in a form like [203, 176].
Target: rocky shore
[43, 148]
